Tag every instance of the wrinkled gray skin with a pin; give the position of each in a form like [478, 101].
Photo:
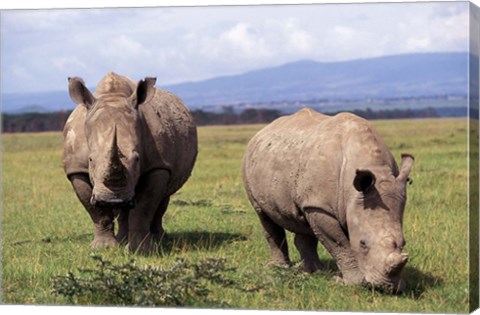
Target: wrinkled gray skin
[333, 180]
[127, 148]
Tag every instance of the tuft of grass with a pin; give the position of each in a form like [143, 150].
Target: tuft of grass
[197, 203]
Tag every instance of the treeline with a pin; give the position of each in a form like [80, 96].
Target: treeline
[34, 122]
[228, 116]
[37, 122]
[397, 113]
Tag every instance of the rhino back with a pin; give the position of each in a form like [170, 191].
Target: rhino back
[169, 137]
[301, 161]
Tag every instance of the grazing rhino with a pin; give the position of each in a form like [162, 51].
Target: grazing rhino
[127, 148]
[332, 179]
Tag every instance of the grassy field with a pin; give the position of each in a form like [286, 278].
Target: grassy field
[46, 232]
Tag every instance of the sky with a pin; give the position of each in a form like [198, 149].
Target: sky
[41, 48]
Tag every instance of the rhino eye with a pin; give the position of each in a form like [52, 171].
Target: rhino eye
[402, 245]
[136, 157]
[363, 247]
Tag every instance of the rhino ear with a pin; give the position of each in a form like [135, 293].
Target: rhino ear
[407, 163]
[145, 91]
[364, 180]
[79, 92]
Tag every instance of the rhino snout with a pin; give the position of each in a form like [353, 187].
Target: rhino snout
[387, 275]
[112, 202]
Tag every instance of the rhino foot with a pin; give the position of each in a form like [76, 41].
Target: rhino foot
[279, 263]
[104, 236]
[104, 242]
[311, 266]
[160, 238]
[143, 245]
[122, 238]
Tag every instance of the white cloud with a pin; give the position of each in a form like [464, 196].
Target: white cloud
[122, 47]
[343, 33]
[183, 44]
[291, 36]
[301, 41]
[241, 36]
[418, 43]
[244, 40]
[68, 63]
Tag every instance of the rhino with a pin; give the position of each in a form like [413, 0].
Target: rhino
[127, 148]
[331, 179]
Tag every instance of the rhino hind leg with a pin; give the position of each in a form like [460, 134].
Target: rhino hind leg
[102, 218]
[307, 247]
[276, 239]
[156, 227]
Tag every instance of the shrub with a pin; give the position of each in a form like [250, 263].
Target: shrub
[181, 284]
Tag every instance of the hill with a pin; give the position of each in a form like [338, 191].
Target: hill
[43, 102]
[411, 75]
[400, 76]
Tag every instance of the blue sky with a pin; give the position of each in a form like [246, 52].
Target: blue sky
[41, 48]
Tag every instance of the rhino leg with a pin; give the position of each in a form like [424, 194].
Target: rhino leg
[122, 235]
[102, 218]
[328, 230]
[307, 247]
[156, 227]
[277, 240]
[150, 193]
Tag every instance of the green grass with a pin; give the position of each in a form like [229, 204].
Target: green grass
[46, 232]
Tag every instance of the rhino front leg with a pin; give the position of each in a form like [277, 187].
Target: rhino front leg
[102, 218]
[328, 230]
[150, 193]
[122, 234]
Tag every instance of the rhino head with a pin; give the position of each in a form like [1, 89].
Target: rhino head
[112, 130]
[375, 224]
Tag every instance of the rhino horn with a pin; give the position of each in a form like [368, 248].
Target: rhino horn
[407, 163]
[116, 172]
[396, 262]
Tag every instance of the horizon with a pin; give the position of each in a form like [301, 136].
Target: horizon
[218, 41]
[92, 86]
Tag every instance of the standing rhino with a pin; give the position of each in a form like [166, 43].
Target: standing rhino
[127, 148]
[330, 179]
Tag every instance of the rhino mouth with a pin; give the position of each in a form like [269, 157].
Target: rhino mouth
[389, 288]
[113, 203]
[386, 284]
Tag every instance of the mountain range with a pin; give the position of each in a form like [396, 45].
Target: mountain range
[398, 76]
